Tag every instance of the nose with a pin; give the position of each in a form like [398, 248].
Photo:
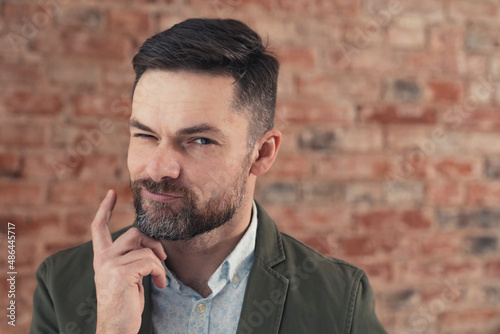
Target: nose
[163, 164]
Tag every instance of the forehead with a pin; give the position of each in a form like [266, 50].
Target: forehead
[166, 96]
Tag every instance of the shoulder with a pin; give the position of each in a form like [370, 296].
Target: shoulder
[329, 270]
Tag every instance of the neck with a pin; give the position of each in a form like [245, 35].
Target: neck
[194, 261]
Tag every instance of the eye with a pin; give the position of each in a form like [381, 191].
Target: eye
[203, 141]
[143, 135]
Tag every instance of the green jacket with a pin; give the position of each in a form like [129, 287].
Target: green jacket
[291, 289]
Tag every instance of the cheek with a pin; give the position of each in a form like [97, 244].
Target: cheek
[136, 161]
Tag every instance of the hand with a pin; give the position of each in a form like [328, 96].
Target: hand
[119, 268]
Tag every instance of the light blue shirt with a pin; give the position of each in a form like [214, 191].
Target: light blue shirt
[179, 309]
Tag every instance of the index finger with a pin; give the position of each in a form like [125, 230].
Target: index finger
[101, 237]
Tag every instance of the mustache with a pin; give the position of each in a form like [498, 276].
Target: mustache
[162, 187]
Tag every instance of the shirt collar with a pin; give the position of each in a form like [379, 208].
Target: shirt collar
[234, 268]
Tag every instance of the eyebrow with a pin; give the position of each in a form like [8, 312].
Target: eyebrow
[200, 128]
[133, 123]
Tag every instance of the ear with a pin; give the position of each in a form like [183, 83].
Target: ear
[268, 146]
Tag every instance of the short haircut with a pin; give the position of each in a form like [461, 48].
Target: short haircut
[219, 47]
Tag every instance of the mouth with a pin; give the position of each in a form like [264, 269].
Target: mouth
[164, 197]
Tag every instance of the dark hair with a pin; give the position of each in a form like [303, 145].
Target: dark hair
[219, 47]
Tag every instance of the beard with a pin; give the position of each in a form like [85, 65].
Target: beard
[185, 218]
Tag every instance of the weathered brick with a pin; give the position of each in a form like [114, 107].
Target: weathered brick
[458, 219]
[395, 114]
[100, 167]
[392, 220]
[354, 167]
[364, 193]
[10, 164]
[30, 223]
[314, 111]
[291, 167]
[317, 193]
[481, 38]
[101, 105]
[444, 91]
[445, 194]
[25, 74]
[492, 167]
[404, 193]
[316, 139]
[33, 103]
[406, 299]
[446, 38]
[407, 33]
[356, 246]
[335, 7]
[68, 74]
[277, 193]
[130, 21]
[432, 63]
[73, 193]
[476, 11]
[81, 18]
[405, 91]
[484, 194]
[493, 268]
[481, 244]
[21, 193]
[296, 57]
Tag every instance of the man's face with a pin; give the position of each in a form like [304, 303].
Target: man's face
[188, 156]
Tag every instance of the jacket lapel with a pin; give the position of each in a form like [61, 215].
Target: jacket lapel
[266, 289]
[147, 315]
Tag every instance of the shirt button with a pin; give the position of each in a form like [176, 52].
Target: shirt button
[200, 308]
[236, 279]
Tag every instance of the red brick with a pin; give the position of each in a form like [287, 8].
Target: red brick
[335, 7]
[21, 193]
[80, 18]
[454, 168]
[379, 272]
[407, 33]
[13, 13]
[319, 87]
[394, 114]
[296, 57]
[78, 222]
[291, 167]
[320, 243]
[10, 164]
[392, 220]
[446, 38]
[480, 118]
[309, 221]
[77, 75]
[54, 247]
[99, 167]
[41, 166]
[470, 319]
[33, 103]
[30, 223]
[493, 268]
[22, 134]
[438, 246]
[445, 194]
[73, 192]
[483, 194]
[91, 46]
[482, 38]
[130, 22]
[100, 105]
[312, 111]
[354, 167]
[27, 75]
[356, 246]
[475, 11]
[432, 63]
[440, 91]
[437, 269]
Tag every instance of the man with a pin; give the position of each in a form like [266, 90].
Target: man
[202, 256]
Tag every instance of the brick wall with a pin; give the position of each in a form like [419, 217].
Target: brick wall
[391, 156]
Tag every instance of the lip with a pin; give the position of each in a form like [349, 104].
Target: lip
[160, 197]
